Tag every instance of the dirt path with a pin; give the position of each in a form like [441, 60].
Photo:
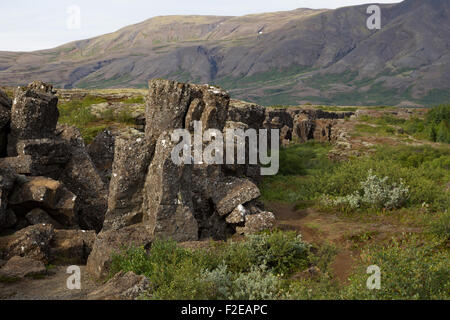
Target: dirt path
[318, 228]
[51, 287]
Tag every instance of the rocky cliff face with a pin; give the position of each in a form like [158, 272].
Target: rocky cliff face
[125, 185]
[52, 189]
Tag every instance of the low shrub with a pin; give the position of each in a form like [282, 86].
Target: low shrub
[377, 193]
[252, 269]
[410, 269]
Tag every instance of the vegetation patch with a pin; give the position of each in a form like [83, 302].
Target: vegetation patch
[424, 169]
[253, 269]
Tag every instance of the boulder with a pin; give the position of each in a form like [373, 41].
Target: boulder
[71, 247]
[111, 241]
[39, 216]
[20, 267]
[101, 151]
[81, 177]
[167, 204]
[123, 286]
[167, 105]
[133, 154]
[250, 114]
[237, 216]
[5, 101]
[232, 192]
[31, 242]
[34, 112]
[38, 157]
[7, 179]
[5, 118]
[48, 194]
[210, 223]
[257, 222]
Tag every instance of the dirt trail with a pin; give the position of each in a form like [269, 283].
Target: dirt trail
[51, 287]
[318, 228]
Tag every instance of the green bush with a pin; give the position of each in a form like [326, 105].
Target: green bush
[435, 127]
[377, 193]
[410, 269]
[258, 284]
[220, 272]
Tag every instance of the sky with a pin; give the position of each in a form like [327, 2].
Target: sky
[27, 25]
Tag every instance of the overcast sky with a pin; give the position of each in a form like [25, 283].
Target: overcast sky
[27, 25]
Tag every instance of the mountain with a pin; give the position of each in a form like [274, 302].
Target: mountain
[304, 55]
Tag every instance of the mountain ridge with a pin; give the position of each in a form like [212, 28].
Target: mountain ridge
[289, 57]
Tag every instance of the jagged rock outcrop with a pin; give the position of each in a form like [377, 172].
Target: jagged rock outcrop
[133, 154]
[47, 181]
[167, 204]
[48, 194]
[39, 216]
[56, 182]
[5, 118]
[81, 177]
[184, 202]
[101, 151]
[37, 148]
[34, 111]
[7, 179]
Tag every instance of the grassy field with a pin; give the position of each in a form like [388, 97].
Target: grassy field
[77, 112]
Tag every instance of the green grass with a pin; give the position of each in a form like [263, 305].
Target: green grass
[304, 178]
[411, 269]
[222, 271]
[383, 130]
[78, 113]
[262, 267]
[135, 100]
[434, 127]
